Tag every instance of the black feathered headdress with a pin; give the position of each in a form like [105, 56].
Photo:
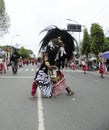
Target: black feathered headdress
[54, 32]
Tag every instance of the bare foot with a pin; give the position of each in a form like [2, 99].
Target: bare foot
[33, 98]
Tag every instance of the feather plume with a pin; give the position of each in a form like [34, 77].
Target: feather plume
[54, 32]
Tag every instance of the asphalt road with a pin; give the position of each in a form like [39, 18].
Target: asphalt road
[87, 109]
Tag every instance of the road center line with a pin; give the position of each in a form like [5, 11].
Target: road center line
[40, 112]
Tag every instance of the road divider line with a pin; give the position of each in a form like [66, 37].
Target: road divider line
[40, 112]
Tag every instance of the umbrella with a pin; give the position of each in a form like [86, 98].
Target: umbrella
[106, 54]
[92, 59]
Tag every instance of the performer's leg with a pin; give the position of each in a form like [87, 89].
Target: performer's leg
[34, 89]
[69, 91]
[59, 64]
[63, 62]
[84, 71]
[102, 75]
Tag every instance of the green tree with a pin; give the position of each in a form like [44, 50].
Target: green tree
[97, 38]
[85, 47]
[25, 53]
[106, 44]
[4, 19]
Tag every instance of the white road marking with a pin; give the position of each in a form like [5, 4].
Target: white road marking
[73, 99]
[20, 69]
[26, 69]
[32, 69]
[40, 112]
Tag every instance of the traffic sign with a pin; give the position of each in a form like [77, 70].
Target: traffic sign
[74, 27]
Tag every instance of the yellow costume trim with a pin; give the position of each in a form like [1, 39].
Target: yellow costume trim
[47, 63]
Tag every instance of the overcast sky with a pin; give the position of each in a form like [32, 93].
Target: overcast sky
[29, 17]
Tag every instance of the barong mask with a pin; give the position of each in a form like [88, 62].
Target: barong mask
[57, 40]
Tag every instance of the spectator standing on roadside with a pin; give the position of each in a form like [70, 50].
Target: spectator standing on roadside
[14, 60]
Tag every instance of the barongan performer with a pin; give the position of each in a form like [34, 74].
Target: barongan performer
[49, 77]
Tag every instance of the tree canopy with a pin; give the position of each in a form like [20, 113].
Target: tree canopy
[85, 43]
[96, 38]
[106, 44]
[25, 53]
[4, 19]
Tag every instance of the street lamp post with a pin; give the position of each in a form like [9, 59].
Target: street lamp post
[12, 41]
[72, 20]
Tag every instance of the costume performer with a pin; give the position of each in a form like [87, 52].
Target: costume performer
[55, 42]
[84, 67]
[101, 69]
[101, 65]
